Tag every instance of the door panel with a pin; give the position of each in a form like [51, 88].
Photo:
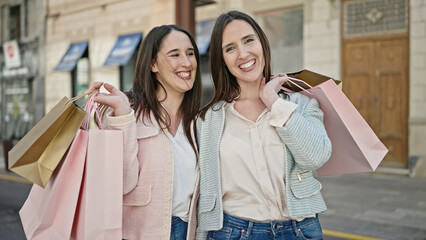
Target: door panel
[392, 67]
[375, 79]
[358, 77]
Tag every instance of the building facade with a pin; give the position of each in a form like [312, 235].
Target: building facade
[376, 47]
[98, 40]
[22, 35]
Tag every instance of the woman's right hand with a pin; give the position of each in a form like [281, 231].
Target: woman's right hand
[115, 99]
[268, 92]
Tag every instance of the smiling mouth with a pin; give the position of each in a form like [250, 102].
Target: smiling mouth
[184, 75]
[247, 65]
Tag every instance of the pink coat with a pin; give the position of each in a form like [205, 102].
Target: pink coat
[148, 180]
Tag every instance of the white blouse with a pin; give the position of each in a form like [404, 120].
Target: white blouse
[253, 161]
[184, 173]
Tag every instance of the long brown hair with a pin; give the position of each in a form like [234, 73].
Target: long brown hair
[143, 96]
[226, 85]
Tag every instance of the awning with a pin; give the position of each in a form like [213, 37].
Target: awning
[203, 32]
[69, 60]
[123, 49]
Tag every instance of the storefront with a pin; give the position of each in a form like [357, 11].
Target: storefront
[124, 55]
[18, 93]
[76, 60]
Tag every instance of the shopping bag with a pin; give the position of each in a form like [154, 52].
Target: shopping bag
[37, 154]
[49, 213]
[355, 146]
[99, 211]
[308, 78]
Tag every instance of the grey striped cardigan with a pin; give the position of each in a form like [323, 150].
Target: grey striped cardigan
[307, 148]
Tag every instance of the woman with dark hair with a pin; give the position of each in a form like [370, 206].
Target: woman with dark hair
[257, 149]
[156, 117]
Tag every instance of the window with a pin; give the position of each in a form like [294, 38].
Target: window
[19, 110]
[80, 78]
[369, 17]
[127, 72]
[15, 22]
[284, 30]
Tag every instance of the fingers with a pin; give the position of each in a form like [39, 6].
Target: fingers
[104, 99]
[109, 100]
[95, 86]
[120, 106]
[110, 88]
[281, 77]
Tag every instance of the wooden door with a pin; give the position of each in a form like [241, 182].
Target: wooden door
[375, 79]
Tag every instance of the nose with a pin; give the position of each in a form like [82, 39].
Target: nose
[185, 62]
[243, 53]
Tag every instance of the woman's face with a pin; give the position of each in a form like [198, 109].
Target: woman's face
[176, 65]
[242, 51]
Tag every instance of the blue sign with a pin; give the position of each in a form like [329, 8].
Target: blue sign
[123, 49]
[203, 32]
[69, 60]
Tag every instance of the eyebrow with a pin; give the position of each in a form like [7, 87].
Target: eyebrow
[247, 36]
[175, 50]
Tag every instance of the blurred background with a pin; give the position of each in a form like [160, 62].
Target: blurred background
[377, 48]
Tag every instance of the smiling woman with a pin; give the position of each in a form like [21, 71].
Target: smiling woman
[257, 151]
[243, 55]
[175, 66]
[156, 117]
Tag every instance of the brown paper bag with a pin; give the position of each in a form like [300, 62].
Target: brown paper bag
[310, 77]
[37, 154]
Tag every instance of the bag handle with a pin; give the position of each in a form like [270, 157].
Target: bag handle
[89, 94]
[88, 107]
[292, 81]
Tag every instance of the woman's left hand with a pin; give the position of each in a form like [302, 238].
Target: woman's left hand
[268, 92]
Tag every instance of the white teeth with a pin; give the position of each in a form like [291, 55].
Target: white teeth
[247, 65]
[183, 74]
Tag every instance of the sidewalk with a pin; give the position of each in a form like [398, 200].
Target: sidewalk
[2, 163]
[376, 205]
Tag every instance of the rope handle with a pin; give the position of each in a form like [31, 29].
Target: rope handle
[89, 94]
[292, 81]
[88, 107]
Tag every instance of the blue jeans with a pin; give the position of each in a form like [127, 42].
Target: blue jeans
[235, 228]
[179, 229]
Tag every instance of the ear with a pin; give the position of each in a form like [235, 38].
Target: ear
[154, 66]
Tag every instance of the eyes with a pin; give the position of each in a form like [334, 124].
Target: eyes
[232, 46]
[189, 54]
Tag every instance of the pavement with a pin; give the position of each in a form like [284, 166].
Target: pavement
[367, 206]
[375, 205]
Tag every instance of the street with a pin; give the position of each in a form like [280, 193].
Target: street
[12, 197]
[360, 206]
[375, 205]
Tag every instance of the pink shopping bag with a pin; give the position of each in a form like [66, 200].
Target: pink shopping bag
[49, 213]
[99, 213]
[356, 148]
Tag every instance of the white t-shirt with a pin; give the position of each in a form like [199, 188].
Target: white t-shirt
[185, 173]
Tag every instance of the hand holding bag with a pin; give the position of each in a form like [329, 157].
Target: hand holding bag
[356, 148]
[99, 211]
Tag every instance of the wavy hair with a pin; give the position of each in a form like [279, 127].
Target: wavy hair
[143, 96]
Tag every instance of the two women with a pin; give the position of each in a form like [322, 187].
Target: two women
[156, 117]
[257, 150]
